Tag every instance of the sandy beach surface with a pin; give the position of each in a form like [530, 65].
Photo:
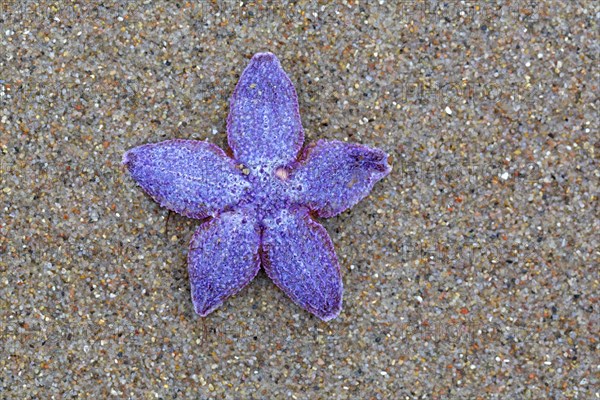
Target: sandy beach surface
[470, 272]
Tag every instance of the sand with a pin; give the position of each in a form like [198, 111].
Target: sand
[470, 272]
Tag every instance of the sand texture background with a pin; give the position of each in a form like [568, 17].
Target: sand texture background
[470, 272]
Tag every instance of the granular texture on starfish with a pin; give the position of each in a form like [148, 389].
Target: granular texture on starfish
[223, 258]
[190, 177]
[334, 175]
[264, 124]
[297, 254]
[260, 203]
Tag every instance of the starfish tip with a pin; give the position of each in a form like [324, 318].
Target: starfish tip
[333, 314]
[128, 158]
[202, 308]
[265, 57]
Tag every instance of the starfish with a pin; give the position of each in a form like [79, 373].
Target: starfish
[258, 206]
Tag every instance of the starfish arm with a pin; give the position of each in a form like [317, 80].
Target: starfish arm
[333, 176]
[223, 258]
[264, 126]
[297, 254]
[190, 177]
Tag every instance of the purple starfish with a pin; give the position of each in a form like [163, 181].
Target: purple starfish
[259, 205]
